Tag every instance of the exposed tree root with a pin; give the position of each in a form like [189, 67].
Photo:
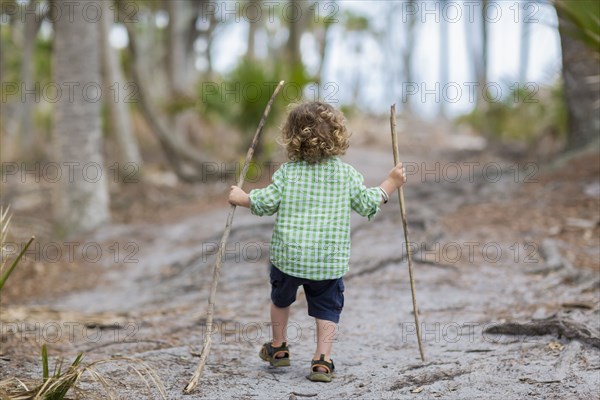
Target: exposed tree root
[296, 394]
[395, 260]
[554, 325]
[561, 368]
[161, 344]
[567, 357]
[195, 259]
[429, 377]
[377, 266]
[424, 365]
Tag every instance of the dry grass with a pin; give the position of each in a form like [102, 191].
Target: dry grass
[77, 375]
[81, 380]
[4, 223]
[4, 270]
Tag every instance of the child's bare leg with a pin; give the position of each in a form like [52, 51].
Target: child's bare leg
[325, 336]
[279, 321]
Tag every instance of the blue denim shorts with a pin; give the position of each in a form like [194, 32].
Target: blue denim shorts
[325, 298]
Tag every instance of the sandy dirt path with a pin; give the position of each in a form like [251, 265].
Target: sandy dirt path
[159, 304]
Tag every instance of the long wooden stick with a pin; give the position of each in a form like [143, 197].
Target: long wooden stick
[217, 269]
[405, 225]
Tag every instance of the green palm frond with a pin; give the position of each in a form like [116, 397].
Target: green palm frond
[584, 16]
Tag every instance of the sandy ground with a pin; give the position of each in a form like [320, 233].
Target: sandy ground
[485, 255]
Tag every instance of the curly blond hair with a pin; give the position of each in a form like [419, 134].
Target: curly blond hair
[314, 131]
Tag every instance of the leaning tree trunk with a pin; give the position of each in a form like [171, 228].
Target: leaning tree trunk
[180, 40]
[188, 163]
[115, 99]
[81, 195]
[177, 55]
[580, 68]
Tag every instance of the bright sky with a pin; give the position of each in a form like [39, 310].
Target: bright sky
[371, 64]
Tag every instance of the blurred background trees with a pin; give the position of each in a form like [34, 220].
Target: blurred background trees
[184, 82]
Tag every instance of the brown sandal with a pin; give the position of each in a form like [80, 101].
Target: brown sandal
[268, 352]
[320, 376]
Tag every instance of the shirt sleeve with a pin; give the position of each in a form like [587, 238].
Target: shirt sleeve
[266, 201]
[365, 201]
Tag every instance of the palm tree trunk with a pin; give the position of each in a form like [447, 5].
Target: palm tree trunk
[81, 200]
[580, 68]
[176, 52]
[178, 152]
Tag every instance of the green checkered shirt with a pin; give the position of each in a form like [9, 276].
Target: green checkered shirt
[311, 238]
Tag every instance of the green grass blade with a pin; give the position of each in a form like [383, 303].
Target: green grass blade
[64, 383]
[57, 369]
[10, 269]
[45, 372]
[77, 360]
